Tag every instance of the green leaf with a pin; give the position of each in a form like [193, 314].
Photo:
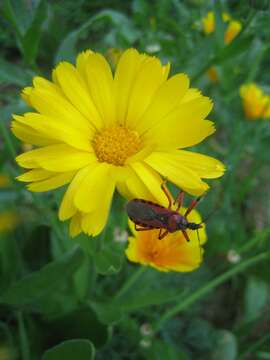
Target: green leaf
[235, 48]
[226, 346]
[108, 262]
[67, 49]
[147, 298]
[220, 25]
[256, 295]
[26, 19]
[112, 311]
[31, 39]
[108, 313]
[45, 281]
[13, 74]
[81, 323]
[14, 12]
[70, 350]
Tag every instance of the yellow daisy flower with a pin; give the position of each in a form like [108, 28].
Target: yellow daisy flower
[172, 253]
[98, 131]
[256, 103]
[233, 28]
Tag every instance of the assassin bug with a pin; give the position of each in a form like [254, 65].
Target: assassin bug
[149, 215]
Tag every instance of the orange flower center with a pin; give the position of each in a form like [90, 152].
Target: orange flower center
[115, 144]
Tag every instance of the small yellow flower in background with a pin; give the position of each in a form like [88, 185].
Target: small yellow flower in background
[233, 28]
[256, 103]
[8, 221]
[232, 31]
[98, 131]
[212, 74]
[172, 253]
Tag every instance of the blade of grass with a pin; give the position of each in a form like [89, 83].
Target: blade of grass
[210, 286]
[24, 343]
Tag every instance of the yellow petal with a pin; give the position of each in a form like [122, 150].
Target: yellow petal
[191, 94]
[177, 173]
[183, 135]
[51, 103]
[100, 84]
[81, 62]
[203, 165]
[173, 253]
[28, 135]
[132, 250]
[52, 183]
[96, 181]
[25, 94]
[56, 158]
[152, 181]
[126, 72]
[41, 83]
[55, 131]
[146, 83]
[67, 207]
[75, 225]
[94, 222]
[137, 188]
[35, 175]
[164, 101]
[209, 22]
[75, 89]
[183, 127]
[232, 31]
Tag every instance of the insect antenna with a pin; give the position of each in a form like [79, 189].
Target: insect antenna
[209, 215]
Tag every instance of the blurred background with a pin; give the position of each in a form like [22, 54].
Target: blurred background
[55, 290]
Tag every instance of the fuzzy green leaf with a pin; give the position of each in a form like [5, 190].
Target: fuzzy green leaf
[41, 283]
[70, 350]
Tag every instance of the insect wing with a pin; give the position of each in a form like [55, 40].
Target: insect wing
[140, 211]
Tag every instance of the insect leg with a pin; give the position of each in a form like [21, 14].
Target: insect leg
[161, 236]
[185, 235]
[143, 228]
[192, 205]
[179, 200]
[167, 194]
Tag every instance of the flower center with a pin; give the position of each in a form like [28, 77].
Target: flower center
[115, 144]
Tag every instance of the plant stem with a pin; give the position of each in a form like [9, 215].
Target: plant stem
[128, 284]
[24, 344]
[204, 290]
[258, 237]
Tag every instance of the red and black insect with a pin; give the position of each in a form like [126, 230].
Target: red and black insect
[149, 215]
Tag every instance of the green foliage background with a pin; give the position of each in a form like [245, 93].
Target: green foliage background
[66, 299]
